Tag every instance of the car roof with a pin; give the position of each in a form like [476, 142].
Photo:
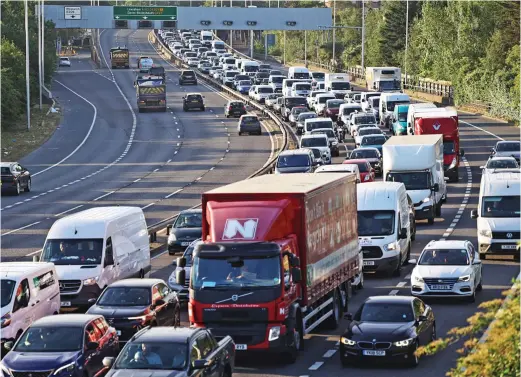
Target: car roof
[293, 152]
[508, 142]
[365, 148]
[356, 161]
[390, 299]
[166, 334]
[136, 283]
[64, 320]
[313, 136]
[505, 158]
[7, 164]
[193, 94]
[192, 210]
[447, 244]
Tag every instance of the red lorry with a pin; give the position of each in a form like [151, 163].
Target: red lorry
[442, 121]
[279, 255]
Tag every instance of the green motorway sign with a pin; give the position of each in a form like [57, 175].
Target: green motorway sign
[145, 13]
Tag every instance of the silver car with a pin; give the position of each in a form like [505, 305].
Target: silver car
[508, 148]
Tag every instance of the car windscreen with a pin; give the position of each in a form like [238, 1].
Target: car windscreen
[193, 97]
[362, 166]
[191, 54]
[314, 142]
[293, 161]
[333, 104]
[369, 131]
[262, 75]
[375, 223]
[385, 312]
[189, 220]
[444, 257]
[448, 147]
[365, 119]
[301, 75]
[229, 61]
[242, 78]
[244, 83]
[316, 152]
[501, 164]
[349, 110]
[302, 86]
[51, 339]
[508, 147]
[303, 117]
[324, 99]
[73, 251]
[265, 90]
[310, 126]
[500, 206]
[318, 75]
[364, 153]
[125, 296]
[230, 74]
[250, 119]
[250, 68]
[329, 133]
[340, 86]
[277, 80]
[373, 140]
[158, 355]
[6, 171]
[7, 286]
[420, 180]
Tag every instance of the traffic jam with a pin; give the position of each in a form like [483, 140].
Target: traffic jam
[267, 260]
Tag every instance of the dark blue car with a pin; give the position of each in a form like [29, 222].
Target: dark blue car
[66, 345]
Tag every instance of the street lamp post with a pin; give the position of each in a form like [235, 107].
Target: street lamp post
[343, 27]
[406, 42]
[27, 78]
[39, 14]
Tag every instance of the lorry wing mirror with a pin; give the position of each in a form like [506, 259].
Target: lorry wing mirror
[436, 187]
[461, 153]
[474, 214]
[296, 274]
[181, 262]
[295, 261]
[180, 277]
[36, 258]
[403, 233]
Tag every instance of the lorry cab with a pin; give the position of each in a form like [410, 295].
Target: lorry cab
[383, 79]
[442, 121]
[417, 162]
[413, 109]
[498, 214]
[399, 120]
[93, 248]
[387, 103]
[384, 226]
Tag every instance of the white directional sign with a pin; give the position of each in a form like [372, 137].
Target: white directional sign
[72, 13]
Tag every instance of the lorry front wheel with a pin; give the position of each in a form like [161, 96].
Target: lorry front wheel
[334, 320]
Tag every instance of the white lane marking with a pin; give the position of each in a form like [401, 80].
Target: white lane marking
[84, 139]
[69, 210]
[174, 193]
[104, 195]
[316, 365]
[148, 205]
[481, 129]
[394, 292]
[137, 180]
[329, 353]
[16, 230]
[401, 284]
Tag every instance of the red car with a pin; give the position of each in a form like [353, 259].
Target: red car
[366, 171]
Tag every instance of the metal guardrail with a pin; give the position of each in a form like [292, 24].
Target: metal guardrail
[268, 168]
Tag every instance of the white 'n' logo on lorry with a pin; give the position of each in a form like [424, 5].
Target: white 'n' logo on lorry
[240, 229]
[436, 126]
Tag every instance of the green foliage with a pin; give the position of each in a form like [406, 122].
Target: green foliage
[498, 356]
[13, 57]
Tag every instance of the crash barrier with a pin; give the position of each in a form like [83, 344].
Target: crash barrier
[288, 137]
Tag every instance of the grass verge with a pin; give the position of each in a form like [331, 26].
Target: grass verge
[18, 142]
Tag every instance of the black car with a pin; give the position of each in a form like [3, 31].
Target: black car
[14, 178]
[193, 101]
[174, 352]
[260, 76]
[186, 229]
[157, 71]
[387, 328]
[239, 78]
[187, 77]
[234, 108]
[188, 257]
[131, 304]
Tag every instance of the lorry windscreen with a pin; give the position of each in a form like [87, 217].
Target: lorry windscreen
[448, 147]
[73, 251]
[375, 223]
[500, 206]
[218, 273]
[392, 104]
[340, 86]
[389, 85]
[415, 180]
[402, 117]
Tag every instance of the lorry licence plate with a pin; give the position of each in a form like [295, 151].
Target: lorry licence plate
[508, 247]
[441, 287]
[369, 263]
[241, 347]
[65, 303]
[374, 353]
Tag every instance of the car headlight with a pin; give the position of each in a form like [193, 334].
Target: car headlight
[90, 281]
[274, 333]
[404, 343]
[68, 368]
[464, 278]
[335, 143]
[5, 371]
[453, 163]
[417, 278]
[347, 342]
[427, 199]
[172, 238]
[390, 246]
[6, 319]
[485, 233]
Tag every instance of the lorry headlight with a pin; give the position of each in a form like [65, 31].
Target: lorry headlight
[390, 246]
[90, 281]
[347, 342]
[404, 343]
[274, 333]
[464, 278]
[485, 233]
[453, 163]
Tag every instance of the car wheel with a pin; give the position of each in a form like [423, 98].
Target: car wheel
[413, 359]
[472, 298]
[438, 210]
[430, 220]
[185, 109]
[202, 108]
[28, 188]
[408, 256]
[345, 361]
[177, 317]
[17, 189]
[433, 332]
[240, 133]
[480, 284]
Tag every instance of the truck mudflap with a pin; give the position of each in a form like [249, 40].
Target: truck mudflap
[254, 337]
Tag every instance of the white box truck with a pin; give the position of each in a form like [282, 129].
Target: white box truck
[383, 79]
[417, 162]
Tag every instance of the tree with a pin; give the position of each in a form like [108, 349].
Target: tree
[13, 81]
[498, 356]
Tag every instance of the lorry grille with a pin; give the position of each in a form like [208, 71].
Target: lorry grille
[236, 315]
[505, 235]
[372, 252]
[43, 373]
[245, 334]
[69, 286]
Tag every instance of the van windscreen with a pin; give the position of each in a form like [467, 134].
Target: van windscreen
[375, 223]
[7, 291]
[73, 251]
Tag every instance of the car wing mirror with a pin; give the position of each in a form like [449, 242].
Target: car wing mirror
[200, 364]
[462, 152]
[436, 187]
[474, 214]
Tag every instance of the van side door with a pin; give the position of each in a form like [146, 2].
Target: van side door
[111, 264]
[22, 306]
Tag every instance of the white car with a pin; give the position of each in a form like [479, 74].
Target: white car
[193, 62]
[497, 164]
[320, 141]
[364, 131]
[340, 168]
[312, 96]
[64, 62]
[448, 269]
[358, 119]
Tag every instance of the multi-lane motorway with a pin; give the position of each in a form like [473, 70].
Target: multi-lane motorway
[106, 153]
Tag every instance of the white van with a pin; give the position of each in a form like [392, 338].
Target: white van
[275, 81]
[384, 230]
[300, 89]
[320, 102]
[299, 73]
[414, 108]
[498, 213]
[364, 99]
[30, 291]
[96, 247]
[317, 123]
[387, 103]
[340, 168]
[249, 67]
[206, 36]
[287, 85]
[218, 46]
